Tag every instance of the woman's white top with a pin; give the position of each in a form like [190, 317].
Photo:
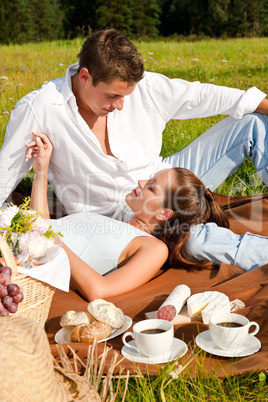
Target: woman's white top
[96, 239]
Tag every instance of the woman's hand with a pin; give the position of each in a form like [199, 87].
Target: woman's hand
[40, 150]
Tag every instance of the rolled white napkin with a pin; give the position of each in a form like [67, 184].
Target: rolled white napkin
[56, 273]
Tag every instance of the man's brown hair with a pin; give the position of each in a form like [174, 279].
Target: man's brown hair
[110, 55]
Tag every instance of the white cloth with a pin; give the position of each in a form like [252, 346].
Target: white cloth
[56, 273]
[96, 239]
[82, 176]
[218, 244]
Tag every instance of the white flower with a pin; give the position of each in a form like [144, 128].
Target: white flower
[34, 244]
[7, 215]
[30, 237]
[176, 372]
[24, 240]
[39, 224]
[39, 245]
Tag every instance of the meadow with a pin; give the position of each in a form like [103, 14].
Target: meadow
[240, 63]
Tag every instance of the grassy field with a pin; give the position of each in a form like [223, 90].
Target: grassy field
[238, 63]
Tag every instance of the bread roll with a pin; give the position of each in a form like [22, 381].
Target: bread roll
[72, 318]
[104, 311]
[89, 332]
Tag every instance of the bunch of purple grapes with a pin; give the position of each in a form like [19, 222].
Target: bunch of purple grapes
[10, 293]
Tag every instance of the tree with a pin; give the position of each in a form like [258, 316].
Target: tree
[146, 18]
[214, 17]
[136, 18]
[50, 20]
[247, 17]
[5, 19]
[217, 16]
[115, 14]
[30, 20]
[183, 16]
[79, 18]
[38, 20]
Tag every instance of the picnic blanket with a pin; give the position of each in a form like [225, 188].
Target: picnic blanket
[246, 214]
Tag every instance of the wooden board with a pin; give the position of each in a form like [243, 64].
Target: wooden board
[180, 318]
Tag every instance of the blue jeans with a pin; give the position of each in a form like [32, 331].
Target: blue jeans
[219, 152]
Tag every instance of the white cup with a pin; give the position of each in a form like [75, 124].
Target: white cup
[227, 337]
[151, 344]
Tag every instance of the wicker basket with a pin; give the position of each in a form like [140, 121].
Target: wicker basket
[37, 295]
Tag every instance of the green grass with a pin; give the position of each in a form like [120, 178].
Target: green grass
[175, 382]
[238, 63]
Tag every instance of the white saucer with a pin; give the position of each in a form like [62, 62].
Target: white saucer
[64, 334]
[178, 349]
[249, 347]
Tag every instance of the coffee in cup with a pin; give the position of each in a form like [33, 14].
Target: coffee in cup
[229, 331]
[153, 338]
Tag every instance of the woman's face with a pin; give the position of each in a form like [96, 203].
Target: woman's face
[146, 200]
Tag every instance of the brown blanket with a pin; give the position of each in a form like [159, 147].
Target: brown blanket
[246, 214]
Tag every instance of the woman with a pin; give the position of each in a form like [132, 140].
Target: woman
[174, 206]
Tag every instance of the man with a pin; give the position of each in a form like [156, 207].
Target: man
[106, 118]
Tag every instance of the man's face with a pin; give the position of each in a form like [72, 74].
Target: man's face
[104, 98]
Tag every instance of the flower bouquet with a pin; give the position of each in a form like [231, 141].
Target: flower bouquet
[30, 238]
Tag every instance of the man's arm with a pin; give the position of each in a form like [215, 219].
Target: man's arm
[13, 165]
[263, 107]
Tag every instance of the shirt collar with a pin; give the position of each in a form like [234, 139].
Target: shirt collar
[65, 91]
